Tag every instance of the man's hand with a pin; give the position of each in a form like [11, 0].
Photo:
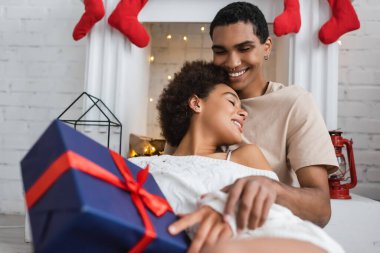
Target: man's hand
[212, 229]
[253, 196]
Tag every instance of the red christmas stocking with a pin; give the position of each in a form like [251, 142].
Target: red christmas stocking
[124, 19]
[94, 11]
[289, 21]
[343, 20]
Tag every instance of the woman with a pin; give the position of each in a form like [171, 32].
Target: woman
[199, 113]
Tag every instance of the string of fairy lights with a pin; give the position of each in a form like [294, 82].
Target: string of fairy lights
[169, 36]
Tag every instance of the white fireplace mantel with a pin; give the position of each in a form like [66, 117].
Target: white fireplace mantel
[198, 10]
[118, 72]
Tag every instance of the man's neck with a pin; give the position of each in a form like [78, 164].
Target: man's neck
[255, 89]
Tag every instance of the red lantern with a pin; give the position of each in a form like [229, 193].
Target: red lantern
[340, 182]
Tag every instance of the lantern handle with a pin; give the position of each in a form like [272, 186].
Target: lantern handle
[351, 163]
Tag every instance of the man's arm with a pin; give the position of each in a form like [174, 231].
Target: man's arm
[254, 195]
[312, 200]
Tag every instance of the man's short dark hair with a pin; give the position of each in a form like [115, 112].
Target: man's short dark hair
[242, 12]
[195, 78]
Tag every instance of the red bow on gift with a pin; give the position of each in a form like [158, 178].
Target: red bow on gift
[140, 197]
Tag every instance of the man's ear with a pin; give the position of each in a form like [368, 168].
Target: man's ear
[195, 103]
[267, 47]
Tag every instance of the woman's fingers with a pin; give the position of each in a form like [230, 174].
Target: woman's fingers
[213, 235]
[211, 228]
[185, 222]
[219, 232]
[206, 227]
[225, 234]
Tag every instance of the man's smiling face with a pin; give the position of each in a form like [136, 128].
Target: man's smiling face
[239, 50]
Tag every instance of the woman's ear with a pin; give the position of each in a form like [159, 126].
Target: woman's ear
[195, 103]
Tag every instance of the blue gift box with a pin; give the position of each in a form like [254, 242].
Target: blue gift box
[82, 213]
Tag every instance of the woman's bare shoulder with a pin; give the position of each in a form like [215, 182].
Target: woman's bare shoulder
[245, 152]
[247, 148]
[250, 155]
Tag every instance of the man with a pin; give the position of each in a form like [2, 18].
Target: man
[283, 121]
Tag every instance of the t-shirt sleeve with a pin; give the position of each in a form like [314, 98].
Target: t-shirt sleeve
[308, 141]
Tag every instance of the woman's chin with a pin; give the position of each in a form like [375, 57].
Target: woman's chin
[234, 141]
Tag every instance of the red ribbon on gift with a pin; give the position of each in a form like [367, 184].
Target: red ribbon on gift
[140, 197]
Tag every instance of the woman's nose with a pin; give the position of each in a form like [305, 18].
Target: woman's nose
[243, 114]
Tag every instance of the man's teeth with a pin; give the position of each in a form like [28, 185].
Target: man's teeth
[236, 123]
[236, 74]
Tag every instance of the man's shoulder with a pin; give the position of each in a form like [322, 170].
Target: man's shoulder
[291, 91]
[279, 94]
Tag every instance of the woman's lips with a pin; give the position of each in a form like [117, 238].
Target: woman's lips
[238, 124]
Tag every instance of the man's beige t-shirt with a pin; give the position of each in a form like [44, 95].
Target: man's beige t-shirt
[289, 129]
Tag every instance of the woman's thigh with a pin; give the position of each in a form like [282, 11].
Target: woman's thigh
[265, 245]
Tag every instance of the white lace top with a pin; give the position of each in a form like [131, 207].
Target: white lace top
[184, 179]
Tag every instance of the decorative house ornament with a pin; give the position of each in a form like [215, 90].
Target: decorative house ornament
[94, 114]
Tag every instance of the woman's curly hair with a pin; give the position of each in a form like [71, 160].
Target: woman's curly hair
[195, 78]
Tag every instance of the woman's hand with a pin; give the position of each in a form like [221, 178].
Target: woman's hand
[212, 229]
[252, 197]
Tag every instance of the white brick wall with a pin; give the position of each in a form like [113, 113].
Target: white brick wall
[359, 95]
[41, 72]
